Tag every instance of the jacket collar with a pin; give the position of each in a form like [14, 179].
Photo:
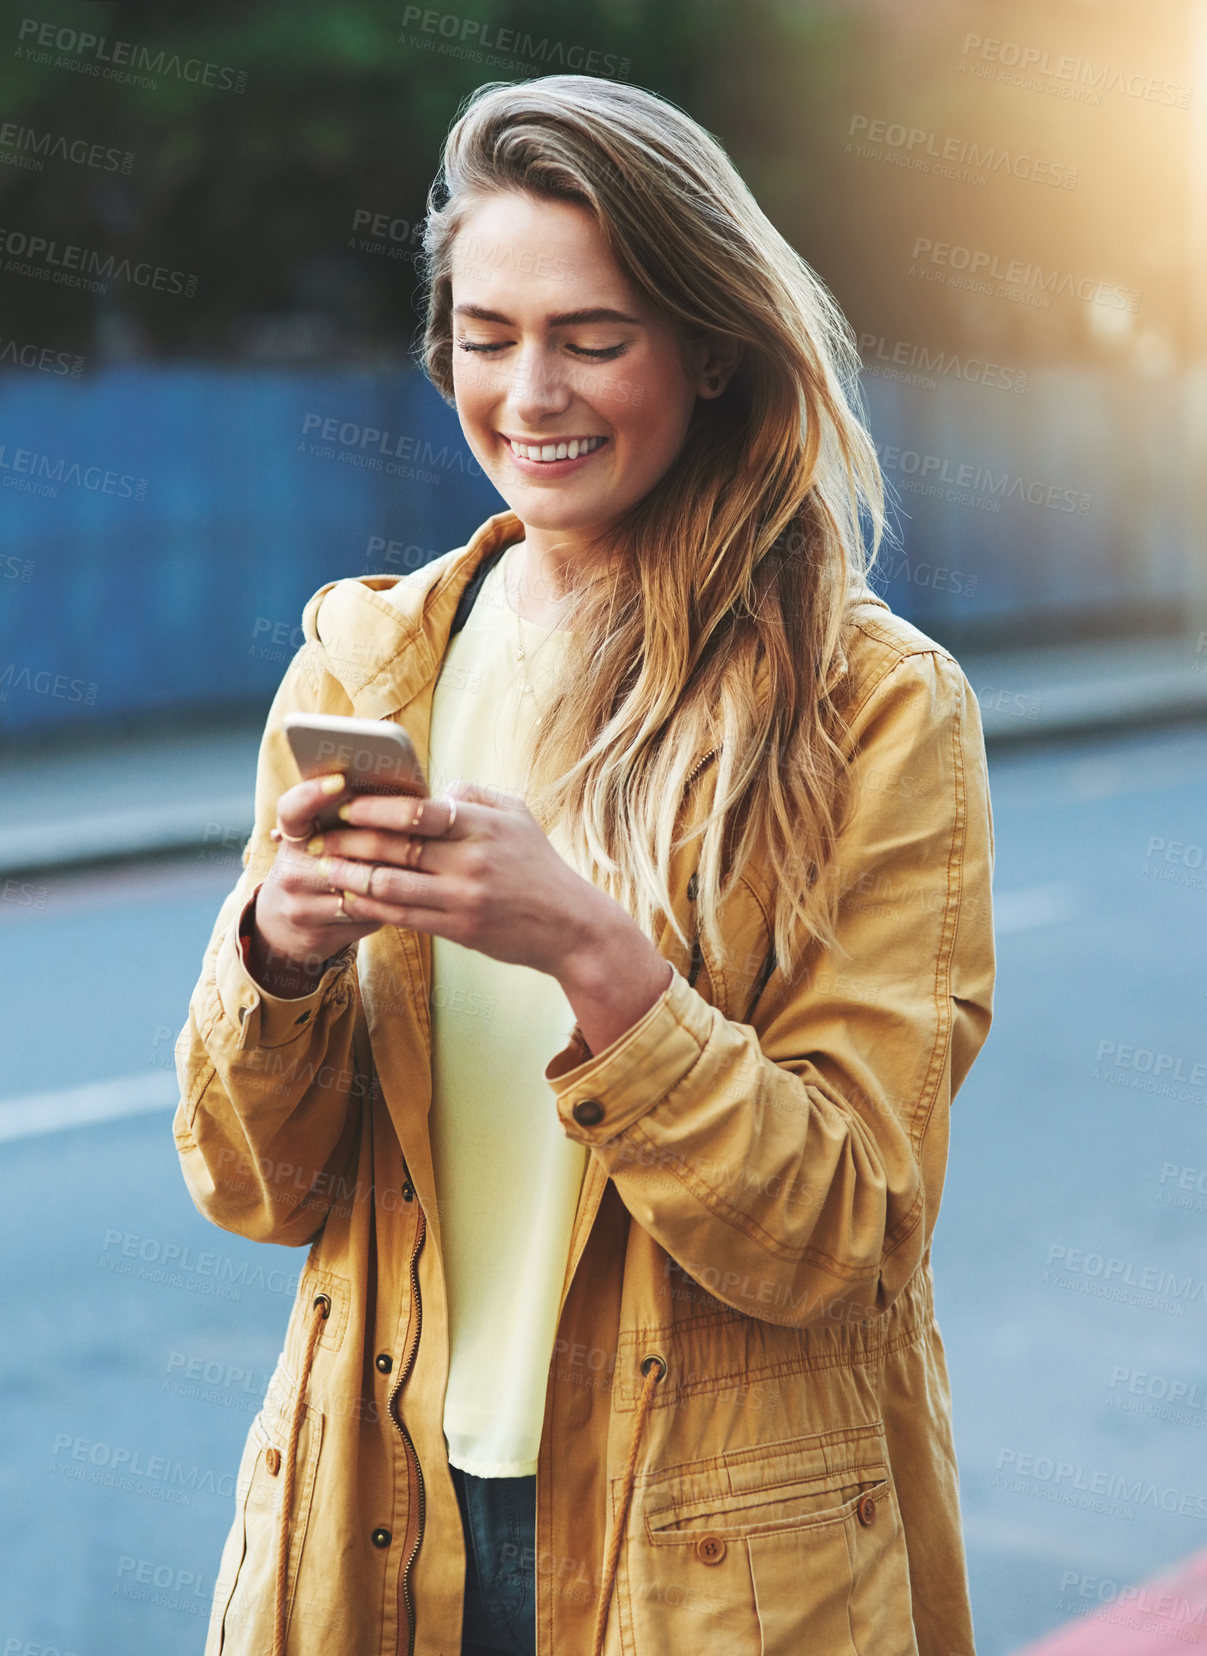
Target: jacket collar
[383, 637]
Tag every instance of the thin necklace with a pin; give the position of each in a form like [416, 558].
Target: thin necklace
[521, 654]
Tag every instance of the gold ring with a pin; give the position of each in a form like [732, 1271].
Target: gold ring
[415, 845]
[374, 867]
[452, 814]
[341, 912]
[418, 814]
[279, 834]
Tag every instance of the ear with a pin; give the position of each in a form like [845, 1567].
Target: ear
[717, 359]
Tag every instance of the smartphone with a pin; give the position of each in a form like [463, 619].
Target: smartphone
[376, 755]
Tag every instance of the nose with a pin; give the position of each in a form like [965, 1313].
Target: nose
[538, 387]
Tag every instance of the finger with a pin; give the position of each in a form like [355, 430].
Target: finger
[404, 814]
[372, 845]
[298, 806]
[391, 886]
[370, 911]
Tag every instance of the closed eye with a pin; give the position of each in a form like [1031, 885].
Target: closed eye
[604, 355]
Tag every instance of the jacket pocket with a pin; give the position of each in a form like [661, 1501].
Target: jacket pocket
[789, 1547]
[241, 1623]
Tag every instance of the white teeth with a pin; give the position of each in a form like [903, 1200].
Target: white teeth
[557, 451]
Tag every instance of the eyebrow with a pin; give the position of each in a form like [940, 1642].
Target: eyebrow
[598, 313]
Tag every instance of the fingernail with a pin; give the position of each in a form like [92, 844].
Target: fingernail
[332, 784]
[315, 845]
[345, 812]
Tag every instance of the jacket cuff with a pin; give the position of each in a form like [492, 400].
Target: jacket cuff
[263, 1019]
[599, 1096]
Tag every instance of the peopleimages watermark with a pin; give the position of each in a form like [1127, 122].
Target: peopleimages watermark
[1131, 1605]
[936, 576]
[376, 450]
[982, 481]
[1184, 1402]
[909, 363]
[41, 359]
[1150, 1070]
[176, 1589]
[123, 1468]
[1109, 1277]
[1073, 77]
[1075, 1485]
[178, 1266]
[963, 160]
[477, 42]
[73, 266]
[122, 60]
[1175, 861]
[388, 233]
[35, 473]
[22, 146]
[1184, 1187]
[41, 682]
[978, 268]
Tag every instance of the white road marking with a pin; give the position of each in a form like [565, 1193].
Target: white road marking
[50, 1112]
[1030, 906]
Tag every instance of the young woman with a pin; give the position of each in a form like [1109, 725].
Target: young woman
[610, 1083]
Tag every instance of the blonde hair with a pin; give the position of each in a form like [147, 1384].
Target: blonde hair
[718, 623]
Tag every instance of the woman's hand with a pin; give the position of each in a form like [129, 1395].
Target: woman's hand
[482, 874]
[486, 877]
[297, 927]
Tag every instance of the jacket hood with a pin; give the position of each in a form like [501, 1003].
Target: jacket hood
[382, 637]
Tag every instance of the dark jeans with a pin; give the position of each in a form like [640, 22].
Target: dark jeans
[498, 1516]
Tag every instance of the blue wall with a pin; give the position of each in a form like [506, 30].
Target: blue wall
[190, 597]
[183, 515]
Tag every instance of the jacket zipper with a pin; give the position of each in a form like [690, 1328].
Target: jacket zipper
[406, 1608]
[698, 767]
[697, 956]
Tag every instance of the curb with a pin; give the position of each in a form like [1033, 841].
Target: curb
[1020, 701]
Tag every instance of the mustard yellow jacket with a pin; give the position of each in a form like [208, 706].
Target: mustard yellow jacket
[747, 1442]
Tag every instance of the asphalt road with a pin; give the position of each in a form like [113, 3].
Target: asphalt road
[1069, 1260]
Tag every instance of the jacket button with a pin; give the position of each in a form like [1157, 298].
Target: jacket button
[384, 1362]
[272, 1460]
[710, 1549]
[867, 1509]
[588, 1112]
[693, 886]
[381, 1538]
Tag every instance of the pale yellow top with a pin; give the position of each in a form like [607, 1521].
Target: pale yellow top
[507, 1177]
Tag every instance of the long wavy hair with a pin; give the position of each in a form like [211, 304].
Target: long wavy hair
[716, 627]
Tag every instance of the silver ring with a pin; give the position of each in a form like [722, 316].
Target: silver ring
[341, 912]
[374, 869]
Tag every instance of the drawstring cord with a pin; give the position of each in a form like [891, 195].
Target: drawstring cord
[652, 1369]
[322, 1305]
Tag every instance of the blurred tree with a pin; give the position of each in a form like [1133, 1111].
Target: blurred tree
[295, 202]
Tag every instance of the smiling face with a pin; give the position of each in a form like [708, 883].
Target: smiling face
[574, 393]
